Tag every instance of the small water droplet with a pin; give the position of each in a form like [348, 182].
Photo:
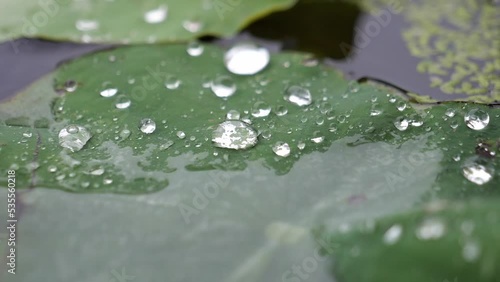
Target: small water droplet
[233, 115]
[195, 49]
[27, 134]
[52, 168]
[401, 123]
[281, 110]
[471, 251]
[86, 25]
[192, 26]
[181, 134]
[235, 135]
[478, 170]
[157, 15]
[477, 119]
[124, 134]
[122, 102]
[301, 145]
[431, 229]
[147, 126]
[298, 95]
[317, 137]
[376, 110]
[108, 90]
[166, 145]
[261, 109]
[281, 149]
[450, 112]
[401, 106]
[172, 82]
[246, 59]
[70, 86]
[74, 137]
[393, 234]
[223, 86]
[97, 171]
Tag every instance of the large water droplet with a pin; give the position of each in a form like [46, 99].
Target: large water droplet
[281, 149]
[431, 229]
[246, 59]
[147, 126]
[86, 25]
[157, 15]
[298, 95]
[74, 137]
[393, 234]
[477, 119]
[261, 109]
[235, 135]
[223, 86]
[478, 170]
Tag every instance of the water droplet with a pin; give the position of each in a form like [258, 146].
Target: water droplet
[122, 102]
[392, 99]
[281, 110]
[317, 137]
[431, 229]
[86, 25]
[281, 149]
[166, 145]
[450, 112]
[74, 137]
[401, 106]
[97, 171]
[108, 91]
[70, 86]
[376, 110]
[52, 168]
[181, 134]
[471, 251]
[261, 109]
[266, 134]
[393, 234]
[172, 82]
[124, 134]
[301, 145]
[27, 134]
[401, 123]
[417, 122]
[147, 126]
[195, 49]
[298, 95]
[478, 170]
[246, 59]
[192, 26]
[223, 86]
[235, 135]
[233, 115]
[157, 15]
[477, 119]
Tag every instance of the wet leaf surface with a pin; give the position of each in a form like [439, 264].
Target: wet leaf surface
[367, 153]
[139, 22]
